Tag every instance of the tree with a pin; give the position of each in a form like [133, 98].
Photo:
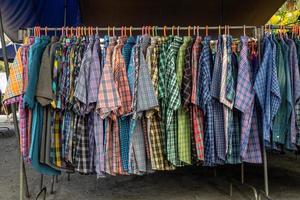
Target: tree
[288, 14]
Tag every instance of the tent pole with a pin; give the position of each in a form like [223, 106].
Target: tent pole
[23, 176]
[65, 13]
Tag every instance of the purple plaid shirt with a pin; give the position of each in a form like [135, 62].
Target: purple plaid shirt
[244, 101]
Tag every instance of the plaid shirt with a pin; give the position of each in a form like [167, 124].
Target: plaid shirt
[82, 84]
[120, 78]
[82, 157]
[267, 88]
[280, 127]
[295, 83]
[172, 100]
[108, 96]
[183, 117]
[94, 74]
[156, 144]
[146, 98]
[205, 102]
[218, 110]
[233, 151]
[196, 113]
[14, 87]
[56, 148]
[244, 101]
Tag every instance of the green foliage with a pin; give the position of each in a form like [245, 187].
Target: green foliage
[288, 14]
[2, 67]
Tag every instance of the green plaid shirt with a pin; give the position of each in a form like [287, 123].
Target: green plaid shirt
[183, 117]
[172, 100]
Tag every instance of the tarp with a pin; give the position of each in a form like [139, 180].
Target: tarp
[177, 12]
[18, 14]
[11, 51]
[28, 13]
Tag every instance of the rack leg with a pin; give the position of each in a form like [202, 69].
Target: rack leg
[69, 176]
[242, 173]
[56, 178]
[52, 184]
[42, 182]
[266, 171]
[25, 180]
[215, 172]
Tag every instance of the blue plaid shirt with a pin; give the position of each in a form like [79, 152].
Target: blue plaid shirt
[205, 102]
[266, 87]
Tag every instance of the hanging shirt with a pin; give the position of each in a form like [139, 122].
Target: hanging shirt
[156, 144]
[108, 97]
[172, 100]
[295, 85]
[218, 110]
[234, 133]
[183, 118]
[267, 88]
[121, 80]
[14, 87]
[197, 114]
[205, 102]
[250, 147]
[82, 84]
[283, 116]
[126, 50]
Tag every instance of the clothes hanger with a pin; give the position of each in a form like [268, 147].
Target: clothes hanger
[165, 31]
[108, 31]
[178, 28]
[130, 31]
[153, 33]
[198, 28]
[244, 30]
[97, 30]
[46, 31]
[194, 30]
[173, 27]
[189, 31]
[149, 30]
[126, 31]
[206, 30]
[114, 34]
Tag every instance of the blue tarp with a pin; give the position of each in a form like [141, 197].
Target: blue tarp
[18, 14]
[11, 51]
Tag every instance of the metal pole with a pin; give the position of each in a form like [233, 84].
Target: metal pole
[13, 108]
[265, 161]
[65, 13]
[42, 182]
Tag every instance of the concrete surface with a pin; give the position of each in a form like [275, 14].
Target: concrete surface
[190, 183]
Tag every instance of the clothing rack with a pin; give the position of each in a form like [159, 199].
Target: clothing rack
[257, 33]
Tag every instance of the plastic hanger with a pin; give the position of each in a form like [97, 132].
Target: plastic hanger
[178, 28]
[114, 34]
[165, 31]
[206, 31]
[108, 31]
[130, 31]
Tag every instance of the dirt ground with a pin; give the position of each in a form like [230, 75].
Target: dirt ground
[189, 183]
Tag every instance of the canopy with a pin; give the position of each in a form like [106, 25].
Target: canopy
[28, 13]
[18, 14]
